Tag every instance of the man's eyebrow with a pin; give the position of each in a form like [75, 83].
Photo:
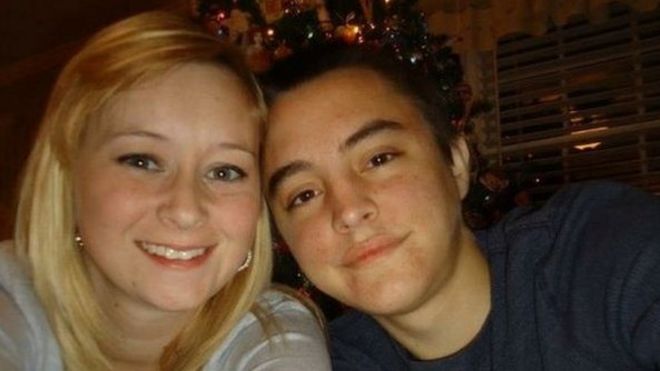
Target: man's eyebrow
[367, 130]
[284, 172]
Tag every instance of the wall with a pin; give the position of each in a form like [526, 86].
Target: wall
[36, 38]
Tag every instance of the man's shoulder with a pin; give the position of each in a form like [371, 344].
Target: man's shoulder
[581, 220]
[602, 265]
[585, 229]
[359, 343]
[577, 206]
[598, 194]
[593, 209]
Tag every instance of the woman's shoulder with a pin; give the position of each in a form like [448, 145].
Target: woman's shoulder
[280, 310]
[280, 333]
[11, 271]
[26, 341]
[7, 255]
[14, 280]
[282, 299]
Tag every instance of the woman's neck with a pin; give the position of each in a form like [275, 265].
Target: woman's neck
[138, 334]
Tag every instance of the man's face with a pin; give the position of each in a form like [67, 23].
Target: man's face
[361, 192]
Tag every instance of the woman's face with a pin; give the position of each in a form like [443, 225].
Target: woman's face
[167, 190]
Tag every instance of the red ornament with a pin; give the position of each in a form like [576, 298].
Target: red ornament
[282, 51]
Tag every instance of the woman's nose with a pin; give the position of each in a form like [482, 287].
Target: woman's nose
[183, 208]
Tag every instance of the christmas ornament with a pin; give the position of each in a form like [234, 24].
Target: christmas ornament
[258, 58]
[271, 9]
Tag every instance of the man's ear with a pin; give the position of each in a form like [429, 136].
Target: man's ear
[460, 154]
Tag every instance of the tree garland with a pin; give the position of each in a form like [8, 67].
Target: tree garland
[272, 29]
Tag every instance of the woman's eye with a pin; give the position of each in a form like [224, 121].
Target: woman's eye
[381, 159]
[301, 198]
[227, 173]
[140, 161]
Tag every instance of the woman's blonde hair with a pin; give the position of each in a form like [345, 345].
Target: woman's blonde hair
[120, 56]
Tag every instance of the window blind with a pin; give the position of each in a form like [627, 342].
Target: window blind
[582, 102]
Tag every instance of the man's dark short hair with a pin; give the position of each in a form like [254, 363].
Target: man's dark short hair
[311, 63]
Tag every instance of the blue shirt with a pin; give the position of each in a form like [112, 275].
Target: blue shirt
[575, 286]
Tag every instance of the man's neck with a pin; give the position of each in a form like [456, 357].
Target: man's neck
[454, 316]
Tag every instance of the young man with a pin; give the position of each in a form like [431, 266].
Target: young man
[365, 178]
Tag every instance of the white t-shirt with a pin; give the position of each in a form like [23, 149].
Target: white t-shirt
[27, 342]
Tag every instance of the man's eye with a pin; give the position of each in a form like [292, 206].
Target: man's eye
[381, 159]
[301, 198]
[140, 161]
[227, 173]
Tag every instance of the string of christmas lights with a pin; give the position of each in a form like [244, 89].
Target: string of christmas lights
[272, 29]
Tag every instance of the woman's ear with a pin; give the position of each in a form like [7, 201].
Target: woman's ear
[460, 154]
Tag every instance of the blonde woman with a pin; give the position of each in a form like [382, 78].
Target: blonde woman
[141, 239]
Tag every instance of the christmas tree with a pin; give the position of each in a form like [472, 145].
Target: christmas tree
[269, 30]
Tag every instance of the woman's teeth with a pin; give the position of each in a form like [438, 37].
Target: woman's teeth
[169, 253]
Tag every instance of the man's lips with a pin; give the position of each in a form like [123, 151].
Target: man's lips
[372, 248]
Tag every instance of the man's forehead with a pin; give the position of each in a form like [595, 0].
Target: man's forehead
[343, 80]
[331, 96]
[336, 104]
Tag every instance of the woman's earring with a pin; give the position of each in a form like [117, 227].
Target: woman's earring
[79, 241]
[247, 261]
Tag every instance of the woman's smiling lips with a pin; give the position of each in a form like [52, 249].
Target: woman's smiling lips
[175, 256]
[364, 252]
